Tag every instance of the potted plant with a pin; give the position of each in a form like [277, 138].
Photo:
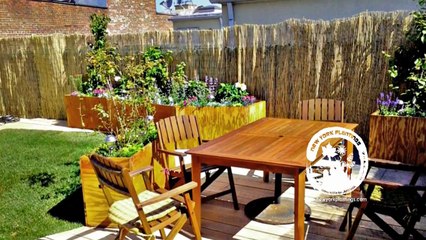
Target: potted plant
[398, 128]
[119, 105]
[127, 143]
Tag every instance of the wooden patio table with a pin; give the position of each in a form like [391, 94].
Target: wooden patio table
[270, 144]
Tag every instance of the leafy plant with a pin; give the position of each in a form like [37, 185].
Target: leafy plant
[129, 83]
[103, 61]
[130, 121]
[98, 27]
[102, 67]
[231, 94]
[408, 66]
[157, 68]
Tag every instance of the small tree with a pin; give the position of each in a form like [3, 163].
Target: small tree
[408, 66]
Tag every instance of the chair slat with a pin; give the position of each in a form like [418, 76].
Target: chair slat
[338, 112]
[305, 109]
[188, 128]
[181, 127]
[311, 109]
[175, 129]
[168, 129]
[194, 126]
[324, 109]
[161, 126]
[331, 108]
[317, 110]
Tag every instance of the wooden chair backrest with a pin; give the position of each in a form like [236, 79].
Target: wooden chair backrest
[176, 130]
[117, 178]
[109, 174]
[322, 110]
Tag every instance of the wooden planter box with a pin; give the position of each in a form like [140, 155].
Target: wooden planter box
[216, 121]
[398, 138]
[95, 204]
[80, 113]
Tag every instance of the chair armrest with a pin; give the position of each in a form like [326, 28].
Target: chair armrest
[392, 164]
[389, 184]
[168, 152]
[178, 198]
[141, 170]
[169, 194]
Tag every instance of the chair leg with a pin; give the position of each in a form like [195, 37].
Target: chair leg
[163, 234]
[177, 227]
[409, 229]
[191, 215]
[233, 191]
[357, 220]
[348, 217]
[383, 225]
[122, 233]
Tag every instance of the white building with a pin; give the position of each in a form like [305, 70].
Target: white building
[238, 12]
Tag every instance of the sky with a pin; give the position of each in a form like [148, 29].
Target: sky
[198, 2]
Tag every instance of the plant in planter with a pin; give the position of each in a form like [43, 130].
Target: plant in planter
[125, 115]
[408, 67]
[398, 129]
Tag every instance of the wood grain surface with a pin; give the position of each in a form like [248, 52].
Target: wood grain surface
[401, 139]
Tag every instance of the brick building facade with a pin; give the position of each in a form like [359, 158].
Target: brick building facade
[28, 17]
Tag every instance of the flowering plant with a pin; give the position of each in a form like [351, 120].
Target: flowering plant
[387, 106]
[232, 94]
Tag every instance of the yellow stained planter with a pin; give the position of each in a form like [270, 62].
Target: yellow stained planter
[217, 121]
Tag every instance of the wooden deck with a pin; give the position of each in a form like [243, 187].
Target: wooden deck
[220, 220]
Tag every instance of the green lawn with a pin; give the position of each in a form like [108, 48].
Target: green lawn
[40, 190]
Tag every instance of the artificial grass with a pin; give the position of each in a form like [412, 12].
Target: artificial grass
[39, 174]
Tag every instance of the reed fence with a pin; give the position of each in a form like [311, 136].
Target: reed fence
[281, 63]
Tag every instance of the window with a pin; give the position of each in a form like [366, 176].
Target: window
[89, 3]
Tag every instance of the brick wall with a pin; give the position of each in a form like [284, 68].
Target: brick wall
[26, 17]
[135, 16]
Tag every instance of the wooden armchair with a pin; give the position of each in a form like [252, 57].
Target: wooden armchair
[404, 202]
[146, 212]
[181, 132]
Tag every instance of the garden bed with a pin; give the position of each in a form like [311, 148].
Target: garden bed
[213, 121]
[217, 121]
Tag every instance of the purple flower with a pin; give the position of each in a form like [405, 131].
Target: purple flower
[75, 93]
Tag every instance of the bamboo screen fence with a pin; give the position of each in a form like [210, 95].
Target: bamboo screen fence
[282, 63]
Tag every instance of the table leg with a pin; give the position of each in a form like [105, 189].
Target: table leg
[196, 192]
[299, 204]
[278, 190]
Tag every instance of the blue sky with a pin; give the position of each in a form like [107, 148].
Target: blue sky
[198, 2]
